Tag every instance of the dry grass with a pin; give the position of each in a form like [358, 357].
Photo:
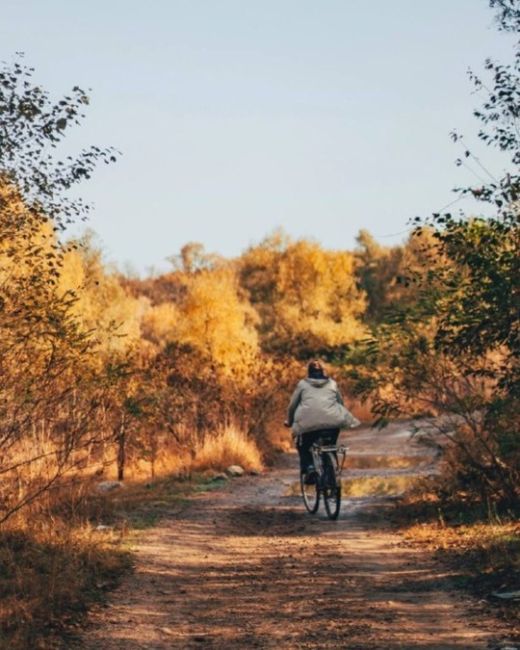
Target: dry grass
[51, 571]
[371, 461]
[228, 446]
[55, 561]
[498, 538]
[485, 557]
[170, 461]
[480, 546]
[371, 486]
[280, 440]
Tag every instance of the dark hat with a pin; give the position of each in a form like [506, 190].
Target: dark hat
[315, 370]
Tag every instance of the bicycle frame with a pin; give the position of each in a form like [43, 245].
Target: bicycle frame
[317, 450]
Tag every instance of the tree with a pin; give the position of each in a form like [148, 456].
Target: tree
[49, 391]
[307, 298]
[215, 319]
[193, 257]
[480, 311]
[378, 271]
[455, 348]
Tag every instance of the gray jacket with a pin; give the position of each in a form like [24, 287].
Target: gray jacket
[317, 404]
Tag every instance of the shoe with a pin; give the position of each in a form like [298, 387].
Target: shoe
[310, 476]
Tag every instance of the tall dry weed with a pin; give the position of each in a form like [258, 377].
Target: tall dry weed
[227, 446]
[53, 564]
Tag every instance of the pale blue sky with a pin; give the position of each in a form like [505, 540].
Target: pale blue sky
[238, 116]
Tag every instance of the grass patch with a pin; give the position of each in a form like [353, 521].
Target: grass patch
[485, 555]
[372, 486]
[49, 576]
[229, 446]
[480, 545]
[370, 461]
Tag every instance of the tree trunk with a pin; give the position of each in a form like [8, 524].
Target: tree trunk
[121, 450]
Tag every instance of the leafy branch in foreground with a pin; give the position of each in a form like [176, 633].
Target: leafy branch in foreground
[51, 391]
[453, 350]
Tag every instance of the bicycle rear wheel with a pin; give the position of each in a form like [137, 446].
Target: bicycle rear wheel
[310, 494]
[331, 487]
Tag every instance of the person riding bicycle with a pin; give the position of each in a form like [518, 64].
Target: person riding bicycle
[316, 410]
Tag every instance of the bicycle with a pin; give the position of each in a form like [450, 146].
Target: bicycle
[325, 479]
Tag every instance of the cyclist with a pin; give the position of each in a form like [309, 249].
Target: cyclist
[316, 410]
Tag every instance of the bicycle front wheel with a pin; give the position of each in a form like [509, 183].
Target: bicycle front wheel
[331, 487]
[310, 493]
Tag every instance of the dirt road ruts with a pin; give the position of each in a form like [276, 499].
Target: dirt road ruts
[246, 567]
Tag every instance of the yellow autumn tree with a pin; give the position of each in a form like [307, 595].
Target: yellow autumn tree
[101, 303]
[307, 297]
[214, 318]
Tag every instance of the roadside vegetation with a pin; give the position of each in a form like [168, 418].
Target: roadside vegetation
[450, 355]
[156, 380]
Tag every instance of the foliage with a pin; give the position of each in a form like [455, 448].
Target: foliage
[378, 271]
[307, 298]
[32, 128]
[100, 304]
[228, 446]
[214, 318]
[50, 390]
[452, 345]
[49, 577]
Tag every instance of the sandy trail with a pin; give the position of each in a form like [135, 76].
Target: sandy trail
[246, 567]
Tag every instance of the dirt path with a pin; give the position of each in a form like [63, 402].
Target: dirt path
[246, 567]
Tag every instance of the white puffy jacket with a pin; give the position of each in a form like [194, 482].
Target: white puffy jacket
[317, 404]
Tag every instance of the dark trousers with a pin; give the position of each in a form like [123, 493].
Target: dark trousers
[306, 440]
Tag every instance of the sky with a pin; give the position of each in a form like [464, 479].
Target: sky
[237, 117]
